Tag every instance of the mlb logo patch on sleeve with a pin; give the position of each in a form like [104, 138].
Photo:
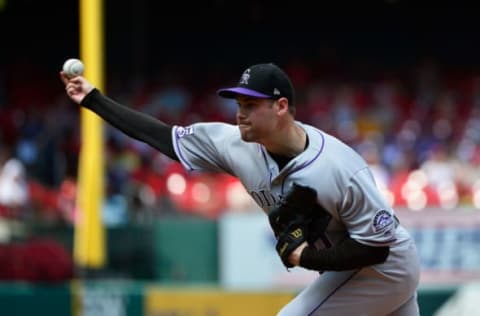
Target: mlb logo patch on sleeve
[382, 220]
[183, 131]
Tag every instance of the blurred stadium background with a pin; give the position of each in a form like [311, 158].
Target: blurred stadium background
[399, 83]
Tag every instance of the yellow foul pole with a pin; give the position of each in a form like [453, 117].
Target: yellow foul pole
[89, 240]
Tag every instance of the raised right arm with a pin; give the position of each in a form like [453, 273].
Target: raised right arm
[135, 124]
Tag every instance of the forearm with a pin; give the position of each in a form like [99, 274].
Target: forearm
[347, 255]
[133, 123]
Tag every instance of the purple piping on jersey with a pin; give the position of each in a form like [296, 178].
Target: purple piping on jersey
[266, 161]
[179, 151]
[333, 292]
[263, 153]
[306, 164]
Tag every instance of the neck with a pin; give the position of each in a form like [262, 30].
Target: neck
[290, 143]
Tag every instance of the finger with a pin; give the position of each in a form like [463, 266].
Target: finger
[72, 88]
[76, 80]
[71, 91]
[71, 85]
[64, 78]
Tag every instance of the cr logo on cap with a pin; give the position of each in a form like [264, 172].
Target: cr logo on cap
[245, 77]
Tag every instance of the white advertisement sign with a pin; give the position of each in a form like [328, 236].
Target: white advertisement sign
[248, 259]
[448, 243]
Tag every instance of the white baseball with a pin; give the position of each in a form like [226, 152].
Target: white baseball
[73, 67]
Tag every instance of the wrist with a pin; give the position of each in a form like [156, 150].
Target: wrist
[304, 255]
[93, 93]
[296, 255]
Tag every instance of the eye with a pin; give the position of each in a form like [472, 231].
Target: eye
[246, 106]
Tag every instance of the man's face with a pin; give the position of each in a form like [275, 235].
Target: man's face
[256, 118]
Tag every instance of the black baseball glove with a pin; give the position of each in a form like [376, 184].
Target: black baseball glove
[296, 219]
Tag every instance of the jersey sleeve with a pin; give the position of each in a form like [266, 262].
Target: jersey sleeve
[201, 146]
[365, 212]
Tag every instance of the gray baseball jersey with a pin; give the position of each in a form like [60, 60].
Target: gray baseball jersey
[345, 188]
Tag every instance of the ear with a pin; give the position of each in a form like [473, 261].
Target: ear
[282, 104]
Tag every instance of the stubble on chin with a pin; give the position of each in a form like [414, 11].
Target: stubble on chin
[246, 136]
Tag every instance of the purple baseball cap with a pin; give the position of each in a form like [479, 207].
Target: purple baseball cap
[262, 81]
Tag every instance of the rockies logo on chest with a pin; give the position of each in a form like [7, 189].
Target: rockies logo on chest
[264, 198]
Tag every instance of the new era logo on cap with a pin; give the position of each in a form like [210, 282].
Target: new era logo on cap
[262, 81]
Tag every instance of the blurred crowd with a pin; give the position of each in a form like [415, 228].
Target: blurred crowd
[418, 128]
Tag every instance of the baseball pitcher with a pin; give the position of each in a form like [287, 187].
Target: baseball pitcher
[319, 194]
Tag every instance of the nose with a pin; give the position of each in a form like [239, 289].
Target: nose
[241, 114]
